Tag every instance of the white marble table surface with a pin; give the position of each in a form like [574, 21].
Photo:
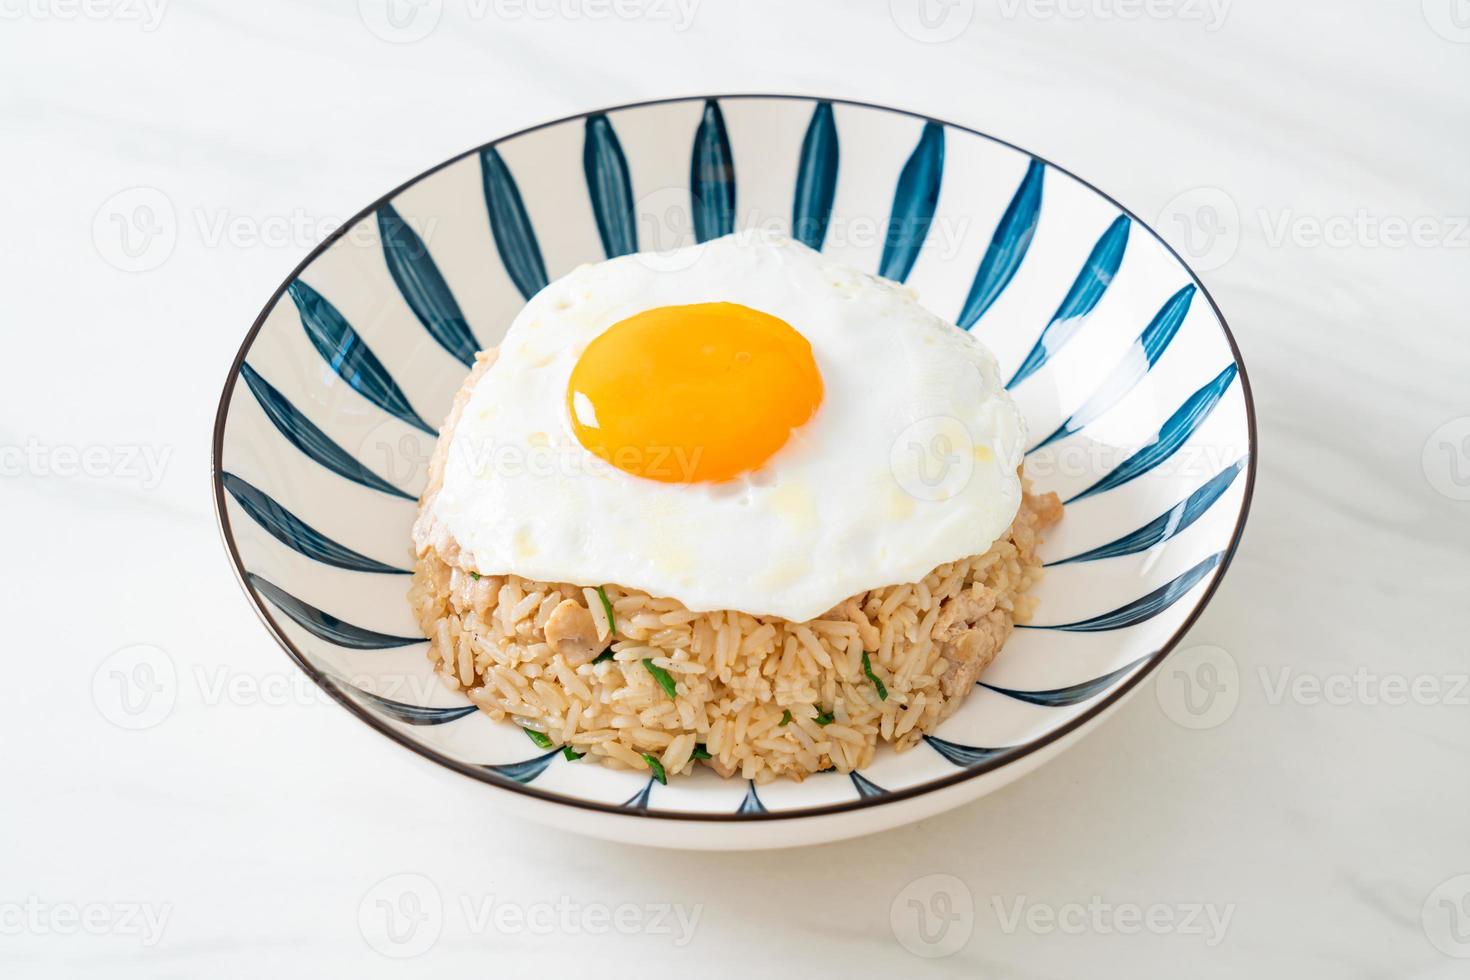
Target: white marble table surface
[1313, 156]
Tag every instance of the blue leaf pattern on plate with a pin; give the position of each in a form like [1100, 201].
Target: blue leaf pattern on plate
[341, 347]
[1174, 433]
[1167, 524]
[1137, 363]
[816, 179]
[962, 755]
[1082, 298]
[525, 772]
[295, 533]
[639, 800]
[411, 714]
[712, 176]
[866, 787]
[610, 188]
[914, 202]
[1142, 609]
[423, 286]
[752, 801]
[325, 626]
[1008, 246]
[510, 225]
[1064, 697]
[313, 442]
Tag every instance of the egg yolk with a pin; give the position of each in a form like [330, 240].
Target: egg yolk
[693, 394]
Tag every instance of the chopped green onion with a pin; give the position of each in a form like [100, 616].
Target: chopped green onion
[824, 719]
[475, 576]
[662, 676]
[604, 655]
[657, 767]
[700, 752]
[868, 669]
[785, 719]
[612, 624]
[572, 754]
[541, 739]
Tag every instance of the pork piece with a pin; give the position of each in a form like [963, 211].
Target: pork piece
[970, 631]
[571, 632]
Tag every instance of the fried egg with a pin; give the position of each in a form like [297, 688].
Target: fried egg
[742, 425]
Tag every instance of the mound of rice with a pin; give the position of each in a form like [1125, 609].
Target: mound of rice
[755, 695]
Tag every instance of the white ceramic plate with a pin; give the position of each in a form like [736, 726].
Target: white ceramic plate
[1131, 383]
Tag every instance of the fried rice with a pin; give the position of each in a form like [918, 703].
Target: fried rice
[658, 687]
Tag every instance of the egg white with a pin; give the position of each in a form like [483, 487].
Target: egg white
[909, 462]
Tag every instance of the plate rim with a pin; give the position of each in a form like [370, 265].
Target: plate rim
[484, 775]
